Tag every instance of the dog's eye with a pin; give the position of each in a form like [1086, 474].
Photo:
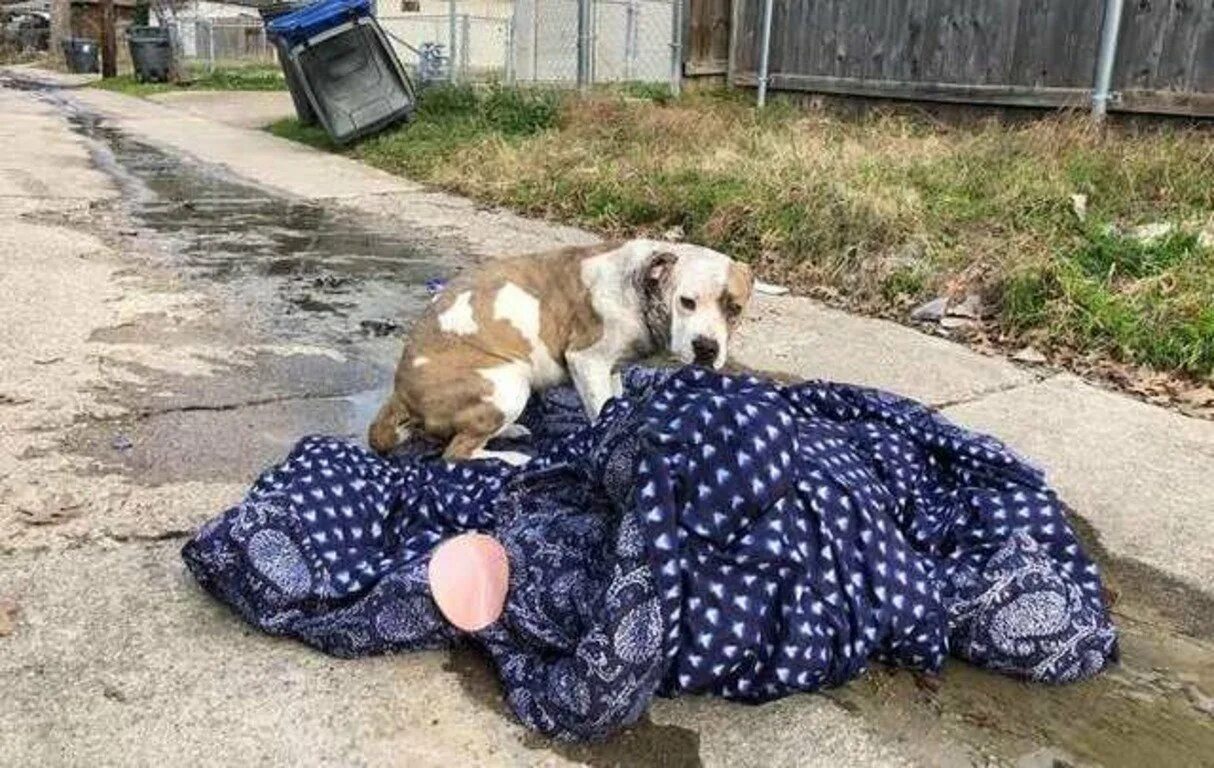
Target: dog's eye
[688, 303]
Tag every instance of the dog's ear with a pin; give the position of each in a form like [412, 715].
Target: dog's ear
[740, 283]
[739, 286]
[659, 269]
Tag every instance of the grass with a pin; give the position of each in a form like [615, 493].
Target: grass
[876, 212]
[238, 78]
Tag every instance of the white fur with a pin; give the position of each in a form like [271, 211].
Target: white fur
[514, 458]
[609, 276]
[699, 275]
[611, 280]
[511, 385]
[522, 310]
[513, 432]
[458, 317]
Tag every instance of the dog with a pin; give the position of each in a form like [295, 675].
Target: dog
[520, 325]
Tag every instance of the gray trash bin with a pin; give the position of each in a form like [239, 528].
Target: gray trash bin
[82, 55]
[299, 96]
[347, 68]
[151, 53]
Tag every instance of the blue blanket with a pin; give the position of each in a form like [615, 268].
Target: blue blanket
[708, 534]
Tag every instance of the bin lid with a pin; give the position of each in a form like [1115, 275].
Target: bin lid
[298, 26]
[147, 33]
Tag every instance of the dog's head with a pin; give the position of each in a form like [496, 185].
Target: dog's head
[693, 298]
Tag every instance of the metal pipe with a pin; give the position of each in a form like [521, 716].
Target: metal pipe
[630, 41]
[465, 47]
[583, 44]
[1110, 31]
[510, 49]
[592, 55]
[676, 47]
[765, 52]
[535, 41]
[451, 33]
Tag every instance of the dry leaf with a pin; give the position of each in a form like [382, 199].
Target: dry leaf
[8, 616]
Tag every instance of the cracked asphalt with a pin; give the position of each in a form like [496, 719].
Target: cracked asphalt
[185, 296]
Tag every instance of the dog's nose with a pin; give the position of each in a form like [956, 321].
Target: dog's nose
[705, 350]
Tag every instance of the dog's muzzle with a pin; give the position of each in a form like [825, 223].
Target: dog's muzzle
[705, 350]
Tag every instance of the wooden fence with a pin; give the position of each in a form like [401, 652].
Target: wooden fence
[706, 36]
[1165, 57]
[1009, 52]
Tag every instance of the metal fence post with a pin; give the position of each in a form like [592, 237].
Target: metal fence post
[1106, 60]
[465, 46]
[210, 45]
[592, 56]
[765, 53]
[583, 44]
[511, 73]
[451, 46]
[630, 40]
[676, 47]
[535, 41]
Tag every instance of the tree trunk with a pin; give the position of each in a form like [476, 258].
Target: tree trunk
[109, 40]
[61, 27]
[166, 16]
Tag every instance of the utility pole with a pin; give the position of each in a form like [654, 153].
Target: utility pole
[109, 40]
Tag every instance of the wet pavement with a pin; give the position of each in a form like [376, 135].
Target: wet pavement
[298, 272]
[309, 272]
[252, 318]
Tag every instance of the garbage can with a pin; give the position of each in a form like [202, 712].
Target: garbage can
[299, 97]
[82, 55]
[151, 53]
[346, 66]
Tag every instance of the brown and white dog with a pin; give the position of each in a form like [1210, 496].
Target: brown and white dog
[525, 324]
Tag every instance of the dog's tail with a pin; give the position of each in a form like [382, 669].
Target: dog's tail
[393, 419]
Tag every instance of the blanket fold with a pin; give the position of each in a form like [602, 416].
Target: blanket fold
[708, 534]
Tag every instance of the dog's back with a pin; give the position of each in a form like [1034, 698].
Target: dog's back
[489, 339]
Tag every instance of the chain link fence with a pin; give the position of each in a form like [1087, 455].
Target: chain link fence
[472, 39]
[624, 40]
[217, 43]
[543, 42]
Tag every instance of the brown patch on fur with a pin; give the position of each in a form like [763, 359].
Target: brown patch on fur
[739, 286]
[446, 397]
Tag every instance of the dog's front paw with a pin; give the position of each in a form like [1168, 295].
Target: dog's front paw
[513, 458]
[514, 432]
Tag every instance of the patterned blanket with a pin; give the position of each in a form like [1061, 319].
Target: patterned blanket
[708, 534]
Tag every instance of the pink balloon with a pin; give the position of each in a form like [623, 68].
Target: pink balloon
[469, 576]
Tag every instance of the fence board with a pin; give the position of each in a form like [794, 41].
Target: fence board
[1024, 52]
[1167, 46]
[706, 50]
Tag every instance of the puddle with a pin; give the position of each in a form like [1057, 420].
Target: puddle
[1152, 708]
[305, 270]
[294, 272]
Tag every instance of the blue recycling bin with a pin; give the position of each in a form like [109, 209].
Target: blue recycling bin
[344, 64]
